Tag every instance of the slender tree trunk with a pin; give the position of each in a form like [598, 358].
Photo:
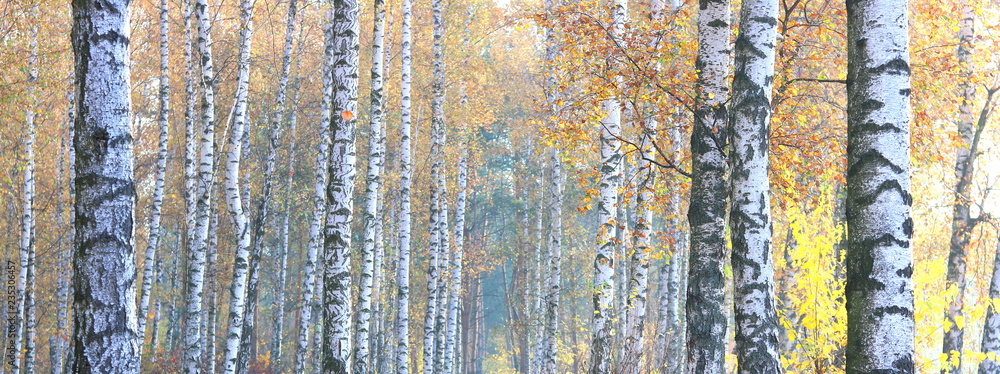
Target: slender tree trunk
[238, 303]
[879, 290]
[553, 275]
[750, 214]
[210, 311]
[611, 179]
[161, 171]
[57, 341]
[991, 329]
[706, 318]
[104, 259]
[340, 189]
[279, 318]
[248, 345]
[198, 238]
[450, 364]
[439, 216]
[191, 72]
[362, 359]
[406, 174]
[636, 300]
[320, 177]
[26, 273]
[962, 223]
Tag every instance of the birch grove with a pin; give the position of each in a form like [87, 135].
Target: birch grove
[635, 187]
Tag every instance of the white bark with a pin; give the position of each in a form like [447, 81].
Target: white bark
[362, 360]
[211, 309]
[553, 275]
[161, 171]
[611, 159]
[406, 174]
[234, 195]
[57, 342]
[706, 315]
[105, 336]
[991, 328]
[962, 222]
[439, 216]
[636, 299]
[879, 288]
[25, 287]
[320, 177]
[340, 189]
[282, 277]
[750, 213]
[206, 174]
[454, 302]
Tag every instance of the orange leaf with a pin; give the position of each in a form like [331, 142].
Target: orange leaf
[347, 115]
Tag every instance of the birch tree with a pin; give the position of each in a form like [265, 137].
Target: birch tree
[57, 344]
[439, 215]
[279, 317]
[450, 363]
[199, 236]
[750, 213]
[553, 276]
[340, 189]
[105, 326]
[316, 223]
[25, 319]
[991, 329]
[362, 347]
[405, 181]
[962, 223]
[879, 290]
[706, 319]
[163, 121]
[611, 179]
[234, 196]
[247, 348]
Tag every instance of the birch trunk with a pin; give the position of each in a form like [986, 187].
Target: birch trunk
[320, 177]
[750, 214]
[105, 336]
[198, 240]
[212, 275]
[57, 342]
[962, 223]
[362, 347]
[161, 171]
[611, 179]
[879, 290]
[991, 329]
[550, 298]
[190, 117]
[706, 319]
[406, 174]
[439, 215]
[248, 344]
[636, 300]
[25, 287]
[279, 318]
[234, 198]
[340, 189]
[450, 364]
